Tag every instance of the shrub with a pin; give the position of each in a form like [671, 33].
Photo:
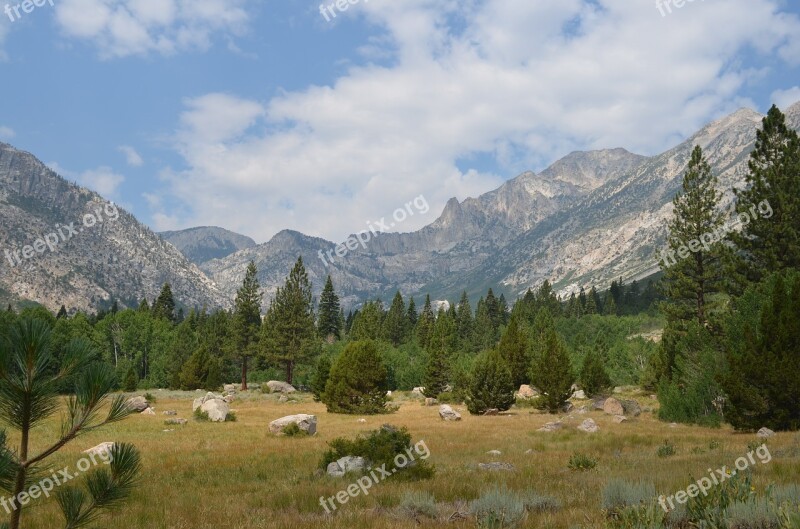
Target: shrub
[498, 508]
[491, 385]
[666, 450]
[380, 447]
[418, 503]
[131, 380]
[201, 416]
[293, 430]
[594, 378]
[150, 398]
[619, 494]
[757, 514]
[231, 417]
[537, 503]
[582, 462]
[358, 381]
[785, 494]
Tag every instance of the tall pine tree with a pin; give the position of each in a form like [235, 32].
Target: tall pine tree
[329, 324]
[247, 320]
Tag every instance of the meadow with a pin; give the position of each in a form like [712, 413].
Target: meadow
[236, 474]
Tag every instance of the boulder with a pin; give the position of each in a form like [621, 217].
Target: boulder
[598, 403]
[448, 413]
[613, 407]
[197, 403]
[550, 427]
[102, 448]
[589, 426]
[229, 388]
[526, 392]
[149, 411]
[631, 407]
[170, 412]
[217, 410]
[276, 386]
[765, 433]
[431, 401]
[138, 404]
[579, 395]
[307, 423]
[418, 391]
[176, 420]
[346, 464]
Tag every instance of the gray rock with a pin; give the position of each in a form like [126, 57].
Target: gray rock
[307, 423]
[197, 403]
[102, 448]
[551, 427]
[138, 404]
[176, 420]
[492, 411]
[217, 410]
[431, 401]
[579, 395]
[631, 408]
[613, 407]
[765, 433]
[496, 466]
[620, 418]
[346, 465]
[276, 386]
[526, 392]
[589, 426]
[149, 411]
[170, 412]
[447, 413]
[229, 388]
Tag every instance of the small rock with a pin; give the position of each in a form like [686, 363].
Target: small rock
[149, 411]
[362, 421]
[418, 391]
[494, 453]
[283, 398]
[620, 418]
[170, 412]
[551, 427]
[100, 449]
[598, 404]
[526, 392]
[447, 413]
[229, 388]
[346, 464]
[579, 395]
[168, 430]
[631, 407]
[673, 425]
[496, 466]
[582, 410]
[431, 401]
[138, 404]
[492, 411]
[307, 423]
[765, 433]
[613, 407]
[588, 426]
[176, 420]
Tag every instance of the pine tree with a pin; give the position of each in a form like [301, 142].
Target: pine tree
[358, 381]
[502, 305]
[551, 371]
[464, 322]
[368, 323]
[144, 306]
[609, 305]
[594, 377]
[770, 241]
[545, 297]
[164, 305]
[591, 302]
[395, 325]
[131, 380]
[425, 324]
[292, 321]
[491, 384]
[320, 378]
[441, 347]
[247, 320]
[329, 325]
[412, 315]
[514, 350]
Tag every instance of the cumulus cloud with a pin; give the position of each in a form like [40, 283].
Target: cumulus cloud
[520, 82]
[133, 158]
[786, 98]
[120, 28]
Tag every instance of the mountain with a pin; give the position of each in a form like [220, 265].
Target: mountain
[203, 244]
[96, 251]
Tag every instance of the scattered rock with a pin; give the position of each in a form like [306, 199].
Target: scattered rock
[229, 388]
[579, 395]
[100, 449]
[307, 423]
[631, 407]
[197, 403]
[170, 412]
[217, 410]
[494, 453]
[582, 410]
[283, 398]
[149, 411]
[168, 430]
[589, 426]
[492, 411]
[418, 391]
[613, 407]
[448, 413]
[673, 425]
[276, 386]
[598, 403]
[551, 427]
[362, 421]
[176, 420]
[496, 466]
[138, 404]
[620, 418]
[566, 407]
[526, 392]
[765, 433]
[346, 464]
[389, 393]
[431, 401]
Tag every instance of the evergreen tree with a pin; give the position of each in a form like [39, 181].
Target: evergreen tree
[545, 297]
[368, 323]
[425, 323]
[494, 311]
[551, 371]
[292, 322]
[591, 302]
[247, 320]
[491, 384]
[594, 377]
[609, 305]
[441, 348]
[144, 306]
[395, 325]
[763, 381]
[320, 378]
[770, 241]
[329, 324]
[514, 350]
[164, 305]
[62, 313]
[502, 304]
[358, 381]
[131, 380]
[464, 322]
[412, 315]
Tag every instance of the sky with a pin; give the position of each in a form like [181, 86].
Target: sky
[264, 115]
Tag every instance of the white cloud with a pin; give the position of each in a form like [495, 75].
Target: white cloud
[6, 133]
[102, 180]
[120, 28]
[786, 98]
[133, 158]
[523, 82]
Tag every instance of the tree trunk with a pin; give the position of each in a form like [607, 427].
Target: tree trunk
[19, 485]
[244, 373]
[289, 371]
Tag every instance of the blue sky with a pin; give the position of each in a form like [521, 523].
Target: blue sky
[262, 115]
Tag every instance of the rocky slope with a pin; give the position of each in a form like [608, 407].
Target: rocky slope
[203, 244]
[115, 256]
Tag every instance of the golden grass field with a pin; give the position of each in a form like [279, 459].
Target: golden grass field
[238, 475]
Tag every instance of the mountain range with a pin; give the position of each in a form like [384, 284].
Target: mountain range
[588, 219]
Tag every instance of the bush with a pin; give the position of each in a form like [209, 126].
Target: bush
[320, 378]
[491, 385]
[131, 380]
[418, 503]
[537, 503]
[582, 462]
[498, 508]
[594, 378]
[358, 381]
[757, 514]
[201, 416]
[619, 494]
[666, 450]
[150, 398]
[380, 447]
[293, 430]
[231, 417]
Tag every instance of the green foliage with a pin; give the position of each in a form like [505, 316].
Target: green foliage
[247, 320]
[538, 503]
[164, 305]
[514, 349]
[619, 494]
[320, 378]
[358, 381]
[552, 371]
[329, 324]
[201, 416]
[417, 503]
[131, 380]
[757, 514]
[491, 385]
[498, 508]
[293, 430]
[582, 462]
[593, 378]
[396, 328]
[666, 450]
[380, 447]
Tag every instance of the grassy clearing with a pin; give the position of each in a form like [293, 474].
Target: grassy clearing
[235, 474]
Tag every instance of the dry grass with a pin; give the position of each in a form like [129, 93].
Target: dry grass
[208, 475]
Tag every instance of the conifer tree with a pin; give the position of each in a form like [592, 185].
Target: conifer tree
[144, 306]
[441, 347]
[591, 302]
[395, 325]
[514, 350]
[425, 324]
[164, 305]
[545, 297]
[368, 323]
[491, 384]
[464, 322]
[247, 320]
[551, 370]
[320, 378]
[358, 381]
[412, 315]
[609, 305]
[594, 378]
[329, 324]
[62, 313]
